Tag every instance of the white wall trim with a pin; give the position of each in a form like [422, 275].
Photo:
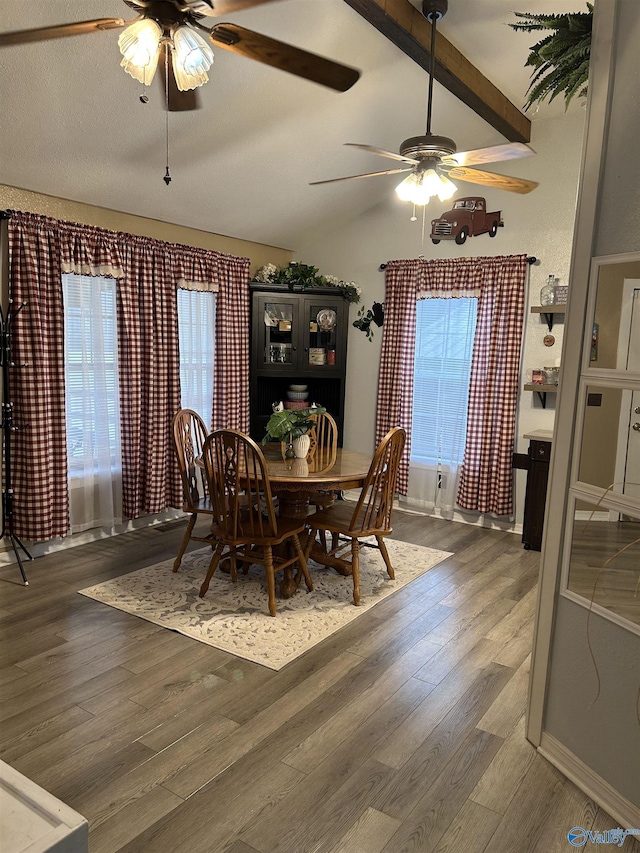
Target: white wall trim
[594, 786]
[51, 546]
[598, 105]
[412, 507]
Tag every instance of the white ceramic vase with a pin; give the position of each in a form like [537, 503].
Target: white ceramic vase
[301, 446]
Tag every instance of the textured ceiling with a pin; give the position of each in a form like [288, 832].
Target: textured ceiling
[73, 126]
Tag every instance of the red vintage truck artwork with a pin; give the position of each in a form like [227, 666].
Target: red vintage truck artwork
[467, 218]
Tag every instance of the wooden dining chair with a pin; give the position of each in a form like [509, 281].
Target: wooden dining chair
[189, 434]
[324, 441]
[244, 518]
[370, 517]
[322, 451]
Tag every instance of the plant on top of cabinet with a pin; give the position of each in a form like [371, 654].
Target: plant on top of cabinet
[304, 276]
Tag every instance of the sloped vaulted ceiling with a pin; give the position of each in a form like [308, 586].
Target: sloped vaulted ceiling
[73, 125]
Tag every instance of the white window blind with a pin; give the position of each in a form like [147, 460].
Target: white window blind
[92, 401]
[91, 372]
[445, 330]
[196, 329]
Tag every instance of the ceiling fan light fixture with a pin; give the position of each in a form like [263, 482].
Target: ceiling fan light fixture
[140, 48]
[420, 187]
[405, 188]
[192, 58]
[447, 188]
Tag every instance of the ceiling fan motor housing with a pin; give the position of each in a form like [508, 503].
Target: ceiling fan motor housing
[434, 9]
[427, 147]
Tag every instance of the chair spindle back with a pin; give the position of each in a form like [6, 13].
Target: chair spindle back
[189, 434]
[373, 510]
[239, 486]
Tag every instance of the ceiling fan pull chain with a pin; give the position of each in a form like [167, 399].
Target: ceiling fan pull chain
[413, 215]
[167, 174]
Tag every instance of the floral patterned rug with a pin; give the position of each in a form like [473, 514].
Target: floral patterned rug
[235, 618]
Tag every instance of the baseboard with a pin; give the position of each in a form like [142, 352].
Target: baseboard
[474, 519]
[39, 549]
[600, 791]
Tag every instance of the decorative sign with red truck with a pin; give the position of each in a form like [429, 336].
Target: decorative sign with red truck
[467, 218]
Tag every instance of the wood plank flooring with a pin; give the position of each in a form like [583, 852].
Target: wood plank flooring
[402, 733]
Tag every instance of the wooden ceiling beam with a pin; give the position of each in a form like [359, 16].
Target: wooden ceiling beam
[409, 30]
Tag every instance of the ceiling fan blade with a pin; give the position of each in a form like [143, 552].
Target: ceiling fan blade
[178, 101]
[490, 179]
[60, 31]
[284, 56]
[493, 154]
[221, 7]
[351, 177]
[383, 153]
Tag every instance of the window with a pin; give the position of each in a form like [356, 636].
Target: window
[196, 329]
[445, 331]
[92, 389]
[91, 373]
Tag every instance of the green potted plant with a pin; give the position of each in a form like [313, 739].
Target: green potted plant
[560, 59]
[292, 425]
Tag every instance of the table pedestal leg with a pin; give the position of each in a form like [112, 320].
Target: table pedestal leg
[291, 505]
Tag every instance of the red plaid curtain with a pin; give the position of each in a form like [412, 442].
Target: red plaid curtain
[39, 446]
[231, 374]
[486, 481]
[148, 272]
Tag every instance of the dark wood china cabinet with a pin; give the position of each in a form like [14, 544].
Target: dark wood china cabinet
[298, 337]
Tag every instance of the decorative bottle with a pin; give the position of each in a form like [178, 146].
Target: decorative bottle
[546, 292]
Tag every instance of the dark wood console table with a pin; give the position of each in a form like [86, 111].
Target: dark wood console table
[536, 463]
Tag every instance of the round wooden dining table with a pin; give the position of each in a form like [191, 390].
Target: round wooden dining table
[295, 480]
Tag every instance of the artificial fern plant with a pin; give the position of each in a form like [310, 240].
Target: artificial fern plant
[561, 59]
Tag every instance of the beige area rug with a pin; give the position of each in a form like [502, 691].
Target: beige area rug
[234, 617]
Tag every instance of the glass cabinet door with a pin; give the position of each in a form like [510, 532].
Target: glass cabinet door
[277, 323]
[320, 328]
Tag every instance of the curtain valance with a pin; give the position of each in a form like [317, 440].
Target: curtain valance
[447, 279]
[90, 250]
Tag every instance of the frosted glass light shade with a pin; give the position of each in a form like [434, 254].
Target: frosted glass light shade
[447, 188]
[140, 48]
[420, 188]
[192, 58]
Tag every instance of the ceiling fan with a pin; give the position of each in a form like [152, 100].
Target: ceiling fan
[432, 160]
[176, 28]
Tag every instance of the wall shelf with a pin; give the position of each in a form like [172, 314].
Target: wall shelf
[541, 391]
[548, 311]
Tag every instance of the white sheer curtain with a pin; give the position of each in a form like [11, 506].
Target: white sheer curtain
[445, 331]
[196, 330]
[92, 401]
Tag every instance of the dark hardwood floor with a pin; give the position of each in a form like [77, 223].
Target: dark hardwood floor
[402, 732]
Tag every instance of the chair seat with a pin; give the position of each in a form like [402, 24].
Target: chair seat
[339, 518]
[285, 527]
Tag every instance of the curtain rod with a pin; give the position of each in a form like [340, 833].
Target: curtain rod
[530, 260]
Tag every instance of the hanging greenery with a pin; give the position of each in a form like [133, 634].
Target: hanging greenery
[561, 59]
